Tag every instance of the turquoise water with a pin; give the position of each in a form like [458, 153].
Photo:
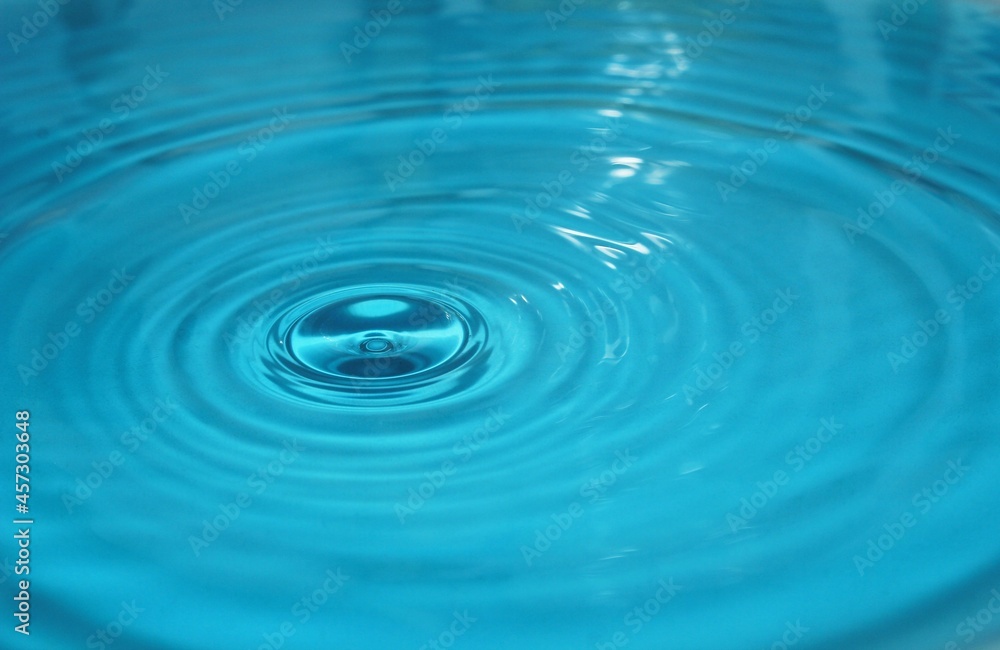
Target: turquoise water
[504, 325]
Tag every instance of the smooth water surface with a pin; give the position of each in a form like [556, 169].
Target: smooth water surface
[506, 324]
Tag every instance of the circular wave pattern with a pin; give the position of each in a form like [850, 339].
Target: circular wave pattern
[548, 323]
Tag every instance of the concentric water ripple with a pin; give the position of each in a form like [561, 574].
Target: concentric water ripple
[489, 325]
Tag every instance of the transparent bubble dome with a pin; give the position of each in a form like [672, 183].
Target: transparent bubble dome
[375, 340]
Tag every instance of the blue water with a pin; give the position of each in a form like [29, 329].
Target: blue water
[508, 325]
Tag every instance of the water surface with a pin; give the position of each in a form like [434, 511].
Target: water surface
[506, 325]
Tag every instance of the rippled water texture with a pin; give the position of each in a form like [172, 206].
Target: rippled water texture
[490, 325]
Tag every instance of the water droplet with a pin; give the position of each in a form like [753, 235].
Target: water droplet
[377, 345]
[376, 335]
